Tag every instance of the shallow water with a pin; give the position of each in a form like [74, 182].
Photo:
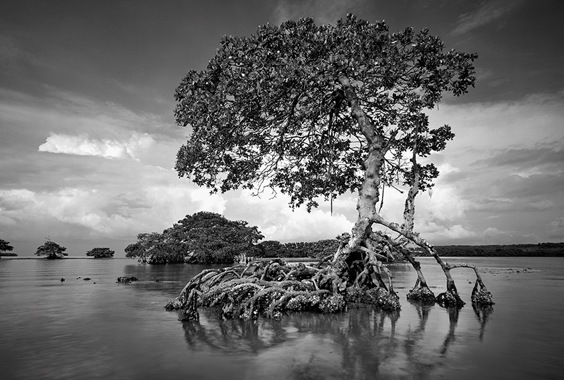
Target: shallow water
[87, 329]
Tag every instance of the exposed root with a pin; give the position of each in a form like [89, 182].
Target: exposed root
[480, 295]
[450, 300]
[421, 294]
[380, 297]
[356, 276]
[271, 289]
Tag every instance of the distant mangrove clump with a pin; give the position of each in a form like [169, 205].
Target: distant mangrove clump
[101, 253]
[6, 248]
[51, 250]
[202, 238]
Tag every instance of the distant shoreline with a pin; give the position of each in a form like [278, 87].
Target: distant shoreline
[64, 258]
[513, 250]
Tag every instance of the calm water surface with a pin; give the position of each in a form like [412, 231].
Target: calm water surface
[90, 329]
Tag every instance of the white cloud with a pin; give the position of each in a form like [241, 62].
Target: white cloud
[299, 225]
[493, 232]
[277, 221]
[208, 202]
[484, 128]
[439, 233]
[106, 148]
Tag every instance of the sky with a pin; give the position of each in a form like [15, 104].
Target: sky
[88, 139]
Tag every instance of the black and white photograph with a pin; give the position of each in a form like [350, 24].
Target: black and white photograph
[281, 189]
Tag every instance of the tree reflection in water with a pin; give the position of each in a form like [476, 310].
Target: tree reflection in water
[361, 343]
[483, 314]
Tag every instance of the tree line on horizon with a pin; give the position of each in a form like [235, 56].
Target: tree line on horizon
[209, 238]
[52, 250]
[217, 248]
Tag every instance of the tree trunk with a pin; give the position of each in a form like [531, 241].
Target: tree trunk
[421, 291]
[368, 198]
[369, 192]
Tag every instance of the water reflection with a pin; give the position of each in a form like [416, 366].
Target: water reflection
[453, 313]
[357, 344]
[413, 346]
[483, 314]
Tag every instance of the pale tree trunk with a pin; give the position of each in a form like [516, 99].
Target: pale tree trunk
[366, 206]
[369, 192]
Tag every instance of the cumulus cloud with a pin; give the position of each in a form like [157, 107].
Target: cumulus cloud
[493, 232]
[442, 234]
[102, 213]
[106, 148]
[299, 225]
[277, 221]
[208, 202]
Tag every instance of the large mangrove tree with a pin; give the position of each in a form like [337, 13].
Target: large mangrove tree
[315, 112]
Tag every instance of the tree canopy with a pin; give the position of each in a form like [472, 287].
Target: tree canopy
[51, 250]
[299, 107]
[5, 247]
[99, 253]
[204, 237]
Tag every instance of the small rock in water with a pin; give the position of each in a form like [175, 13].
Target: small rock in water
[126, 280]
[62, 280]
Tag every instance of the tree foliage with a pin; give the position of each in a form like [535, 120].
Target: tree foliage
[211, 238]
[204, 237]
[278, 108]
[99, 253]
[5, 246]
[51, 250]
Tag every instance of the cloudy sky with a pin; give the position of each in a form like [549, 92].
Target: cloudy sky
[88, 139]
